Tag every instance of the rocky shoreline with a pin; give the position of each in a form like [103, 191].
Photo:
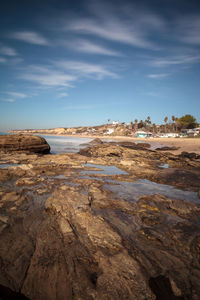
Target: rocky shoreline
[115, 221]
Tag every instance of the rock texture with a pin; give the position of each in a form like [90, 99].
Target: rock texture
[20, 142]
[65, 233]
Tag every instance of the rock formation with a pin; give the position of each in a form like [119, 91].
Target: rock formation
[20, 142]
[65, 233]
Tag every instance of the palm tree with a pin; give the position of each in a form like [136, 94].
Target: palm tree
[131, 125]
[165, 120]
[141, 124]
[176, 124]
[149, 120]
[173, 120]
[136, 125]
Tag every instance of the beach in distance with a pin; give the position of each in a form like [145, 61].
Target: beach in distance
[183, 144]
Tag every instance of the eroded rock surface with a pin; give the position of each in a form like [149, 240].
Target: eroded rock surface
[20, 142]
[66, 234]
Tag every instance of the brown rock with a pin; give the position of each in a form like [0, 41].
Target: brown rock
[135, 146]
[167, 148]
[20, 142]
[65, 236]
[96, 141]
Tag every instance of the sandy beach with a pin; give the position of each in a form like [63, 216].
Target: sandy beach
[184, 144]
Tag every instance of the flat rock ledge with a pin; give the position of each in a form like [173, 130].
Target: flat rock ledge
[20, 142]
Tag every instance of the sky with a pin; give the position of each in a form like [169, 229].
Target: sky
[80, 63]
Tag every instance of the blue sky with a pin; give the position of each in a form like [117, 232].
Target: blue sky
[71, 63]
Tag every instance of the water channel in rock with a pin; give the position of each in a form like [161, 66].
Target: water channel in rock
[131, 191]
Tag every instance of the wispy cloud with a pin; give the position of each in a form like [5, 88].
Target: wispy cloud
[48, 77]
[3, 60]
[84, 69]
[113, 30]
[179, 60]
[86, 46]
[7, 51]
[188, 29]
[127, 24]
[152, 94]
[62, 95]
[10, 100]
[157, 76]
[30, 37]
[17, 95]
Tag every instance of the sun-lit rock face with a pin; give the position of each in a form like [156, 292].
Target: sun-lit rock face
[20, 142]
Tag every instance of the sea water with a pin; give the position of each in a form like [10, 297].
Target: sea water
[65, 144]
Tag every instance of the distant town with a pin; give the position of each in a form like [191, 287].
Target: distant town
[186, 126]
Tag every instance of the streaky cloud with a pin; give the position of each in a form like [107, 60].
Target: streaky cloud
[17, 95]
[9, 100]
[47, 77]
[30, 37]
[85, 69]
[62, 95]
[3, 60]
[189, 29]
[7, 51]
[178, 60]
[157, 76]
[113, 30]
[86, 46]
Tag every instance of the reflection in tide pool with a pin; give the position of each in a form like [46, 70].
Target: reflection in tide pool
[131, 191]
[65, 144]
[105, 170]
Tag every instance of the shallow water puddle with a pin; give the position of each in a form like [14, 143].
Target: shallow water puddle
[60, 177]
[164, 166]
[66, 180]
[6, 166]
[105, 170]
[131, 191]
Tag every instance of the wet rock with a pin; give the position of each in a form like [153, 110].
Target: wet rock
[65, 235]
[190, 155]
[135, 146]
[101, 150]
[20, 142]
[166, 148]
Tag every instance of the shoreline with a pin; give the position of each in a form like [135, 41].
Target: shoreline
[184, 144]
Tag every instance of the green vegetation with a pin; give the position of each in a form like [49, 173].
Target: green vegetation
[174, 124]
[187, 122]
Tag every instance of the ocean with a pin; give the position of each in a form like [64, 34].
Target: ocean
[63, 144]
